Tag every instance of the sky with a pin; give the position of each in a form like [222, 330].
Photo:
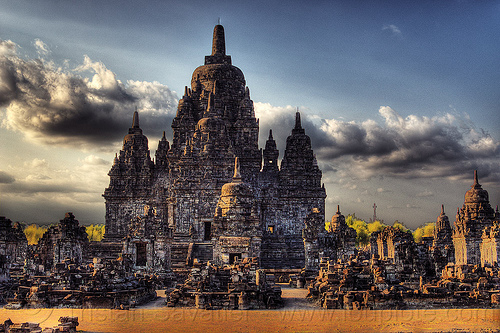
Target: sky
[401, 100]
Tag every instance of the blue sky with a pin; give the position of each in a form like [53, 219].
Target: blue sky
[401, 100]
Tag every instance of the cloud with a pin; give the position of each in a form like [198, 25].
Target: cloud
[5, 178]
[36, 163]
[281, 120]
[41, 48]
[444, 146]
[94, 160]
[60, 107]
[393, 29]
[412, 206]
[7, 48]
[425, 193]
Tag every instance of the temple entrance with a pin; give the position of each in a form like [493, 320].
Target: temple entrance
[208, 231]
[141, 255]
[233, 257]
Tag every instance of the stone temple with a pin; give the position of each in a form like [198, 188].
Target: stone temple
[212, 194]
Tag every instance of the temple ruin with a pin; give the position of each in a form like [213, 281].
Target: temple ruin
[217, 221]
[204, 211]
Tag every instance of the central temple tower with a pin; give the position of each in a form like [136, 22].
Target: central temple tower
[183, 188]
[215, 123]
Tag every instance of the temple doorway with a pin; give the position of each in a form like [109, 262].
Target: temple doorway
[208, 231]
[141, 254]
[233, 257]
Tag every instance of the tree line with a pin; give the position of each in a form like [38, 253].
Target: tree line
[33, 232]
[365, 229]
[95, 232]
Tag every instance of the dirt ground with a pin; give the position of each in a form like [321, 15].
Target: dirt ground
[298, 315]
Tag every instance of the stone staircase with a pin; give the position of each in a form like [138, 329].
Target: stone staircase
[282, 252]
[203, 252]
[179, 253]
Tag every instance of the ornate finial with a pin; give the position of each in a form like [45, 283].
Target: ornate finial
[476, 181]
[218, 21]
[298, 124]
[338, 209]
[237, 175]
[270, 135]
[135, 121]
[163, 137]
[442, 209]
[218, 41]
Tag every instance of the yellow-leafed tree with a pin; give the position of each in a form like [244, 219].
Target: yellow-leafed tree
[95, 232]
[34, 232]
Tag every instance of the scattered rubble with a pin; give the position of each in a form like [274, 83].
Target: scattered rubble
[67, 325]
[375, 284]
[241, 286]
[103, 284]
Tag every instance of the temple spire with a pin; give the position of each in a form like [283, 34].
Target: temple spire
[219, 42]
[237, 175]
[442, 209]
[135, 121]
[298, 124]
[476, 181]
[270, 134]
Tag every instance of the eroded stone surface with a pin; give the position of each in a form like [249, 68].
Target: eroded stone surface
[215, 123]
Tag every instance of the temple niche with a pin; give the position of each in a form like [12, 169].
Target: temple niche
[212, 213]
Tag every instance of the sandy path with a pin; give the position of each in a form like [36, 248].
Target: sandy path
[193, 320]
[298, 316]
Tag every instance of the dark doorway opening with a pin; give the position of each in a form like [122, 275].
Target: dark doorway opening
[141, 257]
[208, 231]
[233, 257]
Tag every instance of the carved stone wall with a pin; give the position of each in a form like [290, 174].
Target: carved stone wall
[13, 246]
[215, 122]
[472, 219]
[66, 240]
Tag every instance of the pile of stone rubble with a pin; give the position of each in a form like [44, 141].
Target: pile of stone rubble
[66, 325]
[375, 284]
[241, 286]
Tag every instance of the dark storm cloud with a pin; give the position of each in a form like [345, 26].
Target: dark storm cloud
[56, 106]
[411, 147]
[5, 178]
